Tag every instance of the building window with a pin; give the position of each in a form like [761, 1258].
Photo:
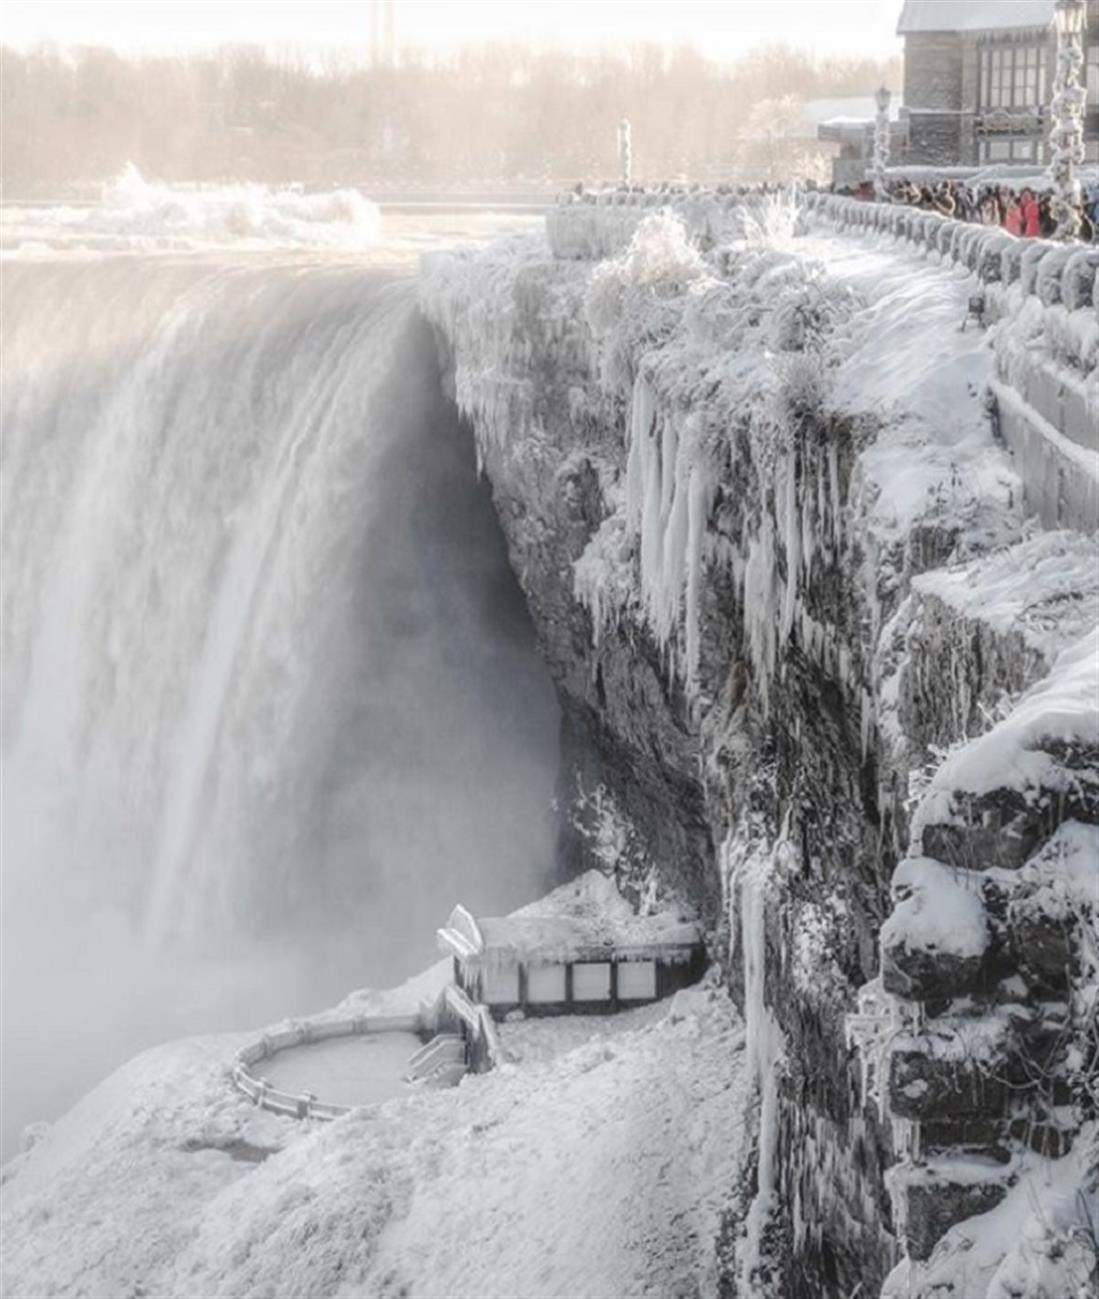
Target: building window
[1005, 148]
[591, 981]
[1013, 76]
[545, 984]
[637, 981]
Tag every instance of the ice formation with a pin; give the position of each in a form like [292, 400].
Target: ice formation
[140, 214]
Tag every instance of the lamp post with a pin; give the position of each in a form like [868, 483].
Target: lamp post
[881, 143]
[625, 151]
[1066, 132]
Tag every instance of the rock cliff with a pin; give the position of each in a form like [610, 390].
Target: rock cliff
[819, 675]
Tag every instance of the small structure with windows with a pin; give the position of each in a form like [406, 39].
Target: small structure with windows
[569, 965]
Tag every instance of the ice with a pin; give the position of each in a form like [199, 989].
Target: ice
[134, 213]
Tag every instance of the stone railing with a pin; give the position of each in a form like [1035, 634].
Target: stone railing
[1043, 397]
[1045, 297]
[601, 223]
[1065, 274]
[305, 1105]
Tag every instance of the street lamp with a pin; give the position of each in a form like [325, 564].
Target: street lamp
[1066, 132]
[625, 150]
[881, 143]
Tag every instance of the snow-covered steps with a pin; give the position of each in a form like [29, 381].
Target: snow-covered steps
[441, 1062]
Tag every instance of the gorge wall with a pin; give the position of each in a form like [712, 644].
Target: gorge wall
[822, 677]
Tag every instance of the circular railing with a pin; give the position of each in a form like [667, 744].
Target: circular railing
[305, 1105]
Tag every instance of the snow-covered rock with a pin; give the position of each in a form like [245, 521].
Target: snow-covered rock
[780, 569]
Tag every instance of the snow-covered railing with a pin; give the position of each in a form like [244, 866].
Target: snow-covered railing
[600, 223]
[1043, 298]
[305, 1105]
[1065, 274]
[476, 1025]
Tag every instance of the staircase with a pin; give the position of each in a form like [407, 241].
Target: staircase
[441, 1063]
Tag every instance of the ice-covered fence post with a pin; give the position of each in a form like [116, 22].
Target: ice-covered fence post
[625, 150]
[1066, 132]
[881, 143]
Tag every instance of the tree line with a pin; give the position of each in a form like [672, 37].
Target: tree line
[493, 113]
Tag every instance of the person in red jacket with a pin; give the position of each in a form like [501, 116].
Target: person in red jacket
[1013, 215]
[1031, 219]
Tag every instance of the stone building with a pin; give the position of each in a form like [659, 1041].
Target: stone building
[978, 76]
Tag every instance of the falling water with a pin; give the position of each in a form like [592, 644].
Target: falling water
[271, 699]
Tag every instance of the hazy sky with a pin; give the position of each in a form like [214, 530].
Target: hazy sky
[721, 28]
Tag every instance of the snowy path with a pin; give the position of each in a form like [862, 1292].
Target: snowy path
[594, 1175]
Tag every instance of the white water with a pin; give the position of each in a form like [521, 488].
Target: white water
[271, 703]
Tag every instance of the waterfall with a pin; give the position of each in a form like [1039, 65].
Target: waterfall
[267, 678]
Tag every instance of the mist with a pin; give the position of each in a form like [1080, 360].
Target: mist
[272, 701]
[74, 117]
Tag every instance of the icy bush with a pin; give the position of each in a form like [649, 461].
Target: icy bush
[773, 222]
[660, 258]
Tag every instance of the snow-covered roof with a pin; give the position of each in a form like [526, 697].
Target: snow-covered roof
[858, 108]
[548, 939]
[972, 15]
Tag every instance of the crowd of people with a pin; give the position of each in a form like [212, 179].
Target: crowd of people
[1026, 212]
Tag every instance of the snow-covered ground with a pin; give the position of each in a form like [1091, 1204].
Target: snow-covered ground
[599, 1166]
[359, 1070]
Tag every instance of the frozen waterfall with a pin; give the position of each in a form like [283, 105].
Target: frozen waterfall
[271, 698]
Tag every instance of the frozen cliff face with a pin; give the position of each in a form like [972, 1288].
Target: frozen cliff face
[749, 495]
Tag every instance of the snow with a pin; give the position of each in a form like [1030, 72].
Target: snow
[534, 1040]
[592, 1174]
[858, 110]
[553, 939]
[936, 908]
[1046, 588]
[773, 325]
[346, 1071]
[1063, 707]
[586, 1166]
[1038, 1243]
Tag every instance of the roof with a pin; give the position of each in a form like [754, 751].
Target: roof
[861, 108]
[545, 940]
[972, 15]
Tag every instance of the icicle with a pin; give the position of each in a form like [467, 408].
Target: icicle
[834, 493]
[791, 543]
[866, 721]
[700, 497]
[759, 607]
[667, 590]
[641, 425]
[808, 535]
